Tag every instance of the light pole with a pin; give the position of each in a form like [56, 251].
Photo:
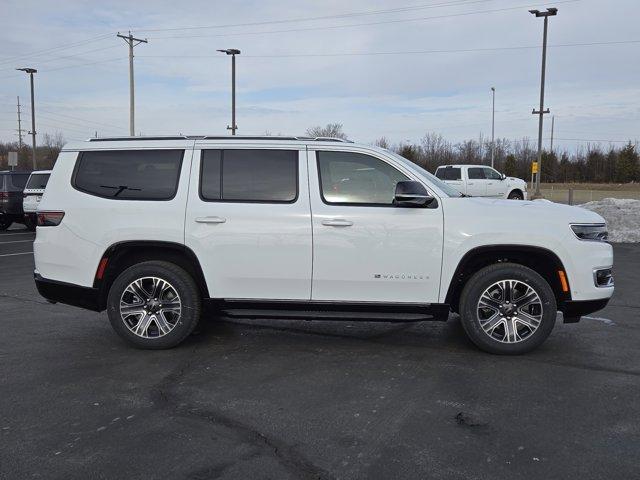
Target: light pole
[549, 13]
[31, 71]
[233, 52]
[493, 124]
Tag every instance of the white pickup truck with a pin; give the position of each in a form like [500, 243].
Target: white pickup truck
[480, 181]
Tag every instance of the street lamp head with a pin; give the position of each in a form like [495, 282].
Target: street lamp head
[28, 70]
[493, 89]
[549, 13]
[230, 51]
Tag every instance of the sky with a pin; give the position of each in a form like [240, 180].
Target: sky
[397, 69]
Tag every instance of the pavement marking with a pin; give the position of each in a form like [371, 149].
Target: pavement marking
[606, 321]
[16, 241]
[12, 254]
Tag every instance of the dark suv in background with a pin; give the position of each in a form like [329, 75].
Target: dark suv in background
[11, 187]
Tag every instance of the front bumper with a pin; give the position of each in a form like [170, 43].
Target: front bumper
[67, 293]
[573, 310]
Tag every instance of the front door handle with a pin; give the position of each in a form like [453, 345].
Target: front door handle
[210, 220]
[337, 222]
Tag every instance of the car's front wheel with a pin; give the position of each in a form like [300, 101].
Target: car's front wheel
[516, 195]
[154, 305]
[507, 309]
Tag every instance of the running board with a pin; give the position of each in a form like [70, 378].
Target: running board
[365, 312]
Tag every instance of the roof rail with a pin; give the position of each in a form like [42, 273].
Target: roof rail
[220, 137]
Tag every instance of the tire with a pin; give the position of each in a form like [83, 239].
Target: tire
[148, 323]
[29, 223]
[516, 195]
[516, 329]
[5, 222]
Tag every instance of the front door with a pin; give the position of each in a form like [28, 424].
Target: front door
[249, 222]
[496, 187]
[364, 248]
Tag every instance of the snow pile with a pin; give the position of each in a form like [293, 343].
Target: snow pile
[622, 216]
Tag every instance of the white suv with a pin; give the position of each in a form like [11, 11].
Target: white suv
[32, 194]
[290, 227]
[480, 181]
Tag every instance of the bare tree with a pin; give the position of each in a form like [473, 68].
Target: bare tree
[333, 130]
[382, 142]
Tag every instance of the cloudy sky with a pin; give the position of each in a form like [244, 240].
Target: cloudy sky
[380, 67]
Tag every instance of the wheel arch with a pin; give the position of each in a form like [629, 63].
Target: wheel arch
[541, 260]
[122, 255]
[514, 190]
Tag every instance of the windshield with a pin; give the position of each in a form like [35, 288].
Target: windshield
[445, 187]
[38, 181]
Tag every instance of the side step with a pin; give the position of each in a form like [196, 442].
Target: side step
[364, 312]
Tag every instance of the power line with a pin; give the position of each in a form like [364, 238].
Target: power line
[323, 17]
[409, 52]
[56, 113]
[328, 27]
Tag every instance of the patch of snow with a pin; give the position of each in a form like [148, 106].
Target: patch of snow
[622, 216]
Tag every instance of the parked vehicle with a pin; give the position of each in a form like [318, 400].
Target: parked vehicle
[11, 185]
[480, 181]
[294, 227]
[32, 194]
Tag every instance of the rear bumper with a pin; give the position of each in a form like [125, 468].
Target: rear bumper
[573, 310]
[67, 293]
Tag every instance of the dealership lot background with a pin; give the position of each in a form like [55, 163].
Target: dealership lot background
[280, 399]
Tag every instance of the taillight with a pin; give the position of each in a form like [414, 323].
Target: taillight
[4, 195]
[49, 219]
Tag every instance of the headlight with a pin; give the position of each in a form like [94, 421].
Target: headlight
[595, 232]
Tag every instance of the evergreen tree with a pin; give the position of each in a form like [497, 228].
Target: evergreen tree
[627, 164]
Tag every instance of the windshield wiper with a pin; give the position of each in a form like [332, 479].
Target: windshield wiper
[120, 189]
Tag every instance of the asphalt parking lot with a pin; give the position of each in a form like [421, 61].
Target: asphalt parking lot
[279, 400]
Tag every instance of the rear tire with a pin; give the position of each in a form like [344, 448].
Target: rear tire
[30, 223]
[5, 222]
[154, 305]
[507, 309]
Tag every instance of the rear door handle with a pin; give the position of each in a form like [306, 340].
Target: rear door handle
[210, 220]
[337, 222]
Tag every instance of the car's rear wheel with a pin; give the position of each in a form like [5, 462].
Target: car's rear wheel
[507, 309]
[154, 305]
[516, 195]
[30, 223]
[5, 222]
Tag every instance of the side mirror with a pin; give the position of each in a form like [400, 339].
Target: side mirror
[504, 177]
[410, 194]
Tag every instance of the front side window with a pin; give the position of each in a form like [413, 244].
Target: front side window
[38, 181]
[244, 175]
[348, 178]
[491, 174]
[476, 173]
[129, 174]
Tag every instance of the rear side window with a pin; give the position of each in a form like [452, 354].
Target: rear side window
[448, 173]
[38, 181]
[129, 174]
[17, 181]
[476, 173]
[239, 175]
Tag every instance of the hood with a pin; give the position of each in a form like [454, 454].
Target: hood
[543, 210]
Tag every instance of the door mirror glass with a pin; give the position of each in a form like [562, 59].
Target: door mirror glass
[412, 194]
[504, 177]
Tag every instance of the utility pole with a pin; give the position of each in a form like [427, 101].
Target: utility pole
[19, 127]
[31, 71]
[549, 13]
[493, 124]
[132, 42]
[553, 121]
[233, 52]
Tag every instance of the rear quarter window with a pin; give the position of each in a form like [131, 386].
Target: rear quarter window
[129, 174]
[38, 181]
[17, 181]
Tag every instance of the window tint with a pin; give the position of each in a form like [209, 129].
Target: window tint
[18, 180]
[38, 181]
[448, 173]
[491, 174]
[249, 175]
[129, 174]
[476, 173]
[355, 178]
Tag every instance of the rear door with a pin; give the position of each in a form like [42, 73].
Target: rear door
[452, 176]
[249, 221]
[476, 182]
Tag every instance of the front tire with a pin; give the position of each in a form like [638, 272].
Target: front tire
[507, 309]
[516, 195]
[154, 305]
